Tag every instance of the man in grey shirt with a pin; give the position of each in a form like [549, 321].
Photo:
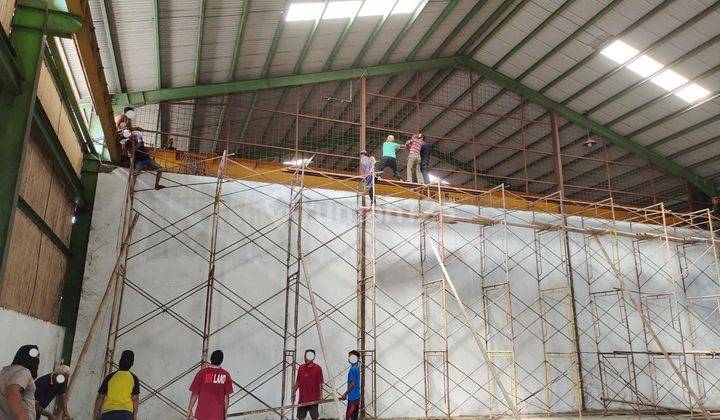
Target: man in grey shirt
[17, 385]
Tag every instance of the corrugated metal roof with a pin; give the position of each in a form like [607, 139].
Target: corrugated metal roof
[133, 33]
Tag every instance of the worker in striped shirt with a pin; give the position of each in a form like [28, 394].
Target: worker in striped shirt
[413, 163]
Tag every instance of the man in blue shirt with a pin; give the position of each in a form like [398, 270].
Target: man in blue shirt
[389, 157]
[353, 393]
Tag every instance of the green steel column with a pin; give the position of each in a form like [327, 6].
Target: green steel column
[30, 26]
[29, 44]
[72, 290]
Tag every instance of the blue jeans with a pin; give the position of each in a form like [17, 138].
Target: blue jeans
[149, 164]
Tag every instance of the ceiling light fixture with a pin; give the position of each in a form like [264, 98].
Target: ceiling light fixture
[645, 66]
[434, 179]
[347, 9]
[341, 9]
[304, 11]
[298, 162]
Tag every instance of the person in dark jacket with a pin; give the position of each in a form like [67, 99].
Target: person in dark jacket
[424, 161]
[17, 384]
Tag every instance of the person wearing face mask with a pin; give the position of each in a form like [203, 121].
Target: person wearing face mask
[310, 382]
[211, 389]
[353, 393]
[17, 385]
[47, 388]
[119, 395]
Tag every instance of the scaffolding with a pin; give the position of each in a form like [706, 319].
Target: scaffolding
[461, 301]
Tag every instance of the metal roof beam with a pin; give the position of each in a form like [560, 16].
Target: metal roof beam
[87, 47]
[233, 65]
[629, 113]
[664, 96]
[497, 65]
[657, 9]
[329, 61]
[574, 117]
[690, 54]
[557, 48]
[298, 66]
[198, 58]
[659, 42]
[266, 67]
[485, 39]
[158, 57]
[111, 45]
[485, 26]
[695, 147]
[580, 30]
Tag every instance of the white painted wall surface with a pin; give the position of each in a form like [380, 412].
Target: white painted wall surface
[168, 262]
[20, 329]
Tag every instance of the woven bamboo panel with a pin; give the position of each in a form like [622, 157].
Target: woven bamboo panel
[22, 264]
[36, 178]
[45, 303]
[58, 214]
[49, 97]
[70, 141]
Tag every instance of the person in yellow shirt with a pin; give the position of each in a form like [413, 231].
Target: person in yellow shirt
[119, 394]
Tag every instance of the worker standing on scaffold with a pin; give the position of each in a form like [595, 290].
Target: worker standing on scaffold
[309, 381]
[353, 394]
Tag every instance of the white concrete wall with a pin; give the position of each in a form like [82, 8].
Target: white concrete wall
[20, 329]
[168, 263]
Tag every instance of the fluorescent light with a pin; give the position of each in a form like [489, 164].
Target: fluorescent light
[619, 52]
[405, 6]
[669, 80]
[433, 179]
[304, 11]
[348, 8]
[644, 66]
[341, 9]
[376, 8]
[692, 92]
[297, 162]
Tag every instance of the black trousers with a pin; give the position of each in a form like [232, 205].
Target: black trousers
[385, 162]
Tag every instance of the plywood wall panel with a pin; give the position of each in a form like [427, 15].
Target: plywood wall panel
[49, 97]
[36, 178]
[45, 303]
[22, 264]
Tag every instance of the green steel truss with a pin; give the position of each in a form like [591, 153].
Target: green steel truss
[176, 94]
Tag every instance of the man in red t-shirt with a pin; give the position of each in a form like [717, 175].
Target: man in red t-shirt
[310, 381]
[211, 388]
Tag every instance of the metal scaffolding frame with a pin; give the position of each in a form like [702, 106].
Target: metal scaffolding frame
[639, 337]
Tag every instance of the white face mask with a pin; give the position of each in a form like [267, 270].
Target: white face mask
[130, 114]
[34, 352]
[60, 378]
[310, 356]
[352, 359]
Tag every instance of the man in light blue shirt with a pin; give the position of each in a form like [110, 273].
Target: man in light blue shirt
[389, 157]
[353, 393]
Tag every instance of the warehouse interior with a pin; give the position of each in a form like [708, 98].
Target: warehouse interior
[561, 260]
